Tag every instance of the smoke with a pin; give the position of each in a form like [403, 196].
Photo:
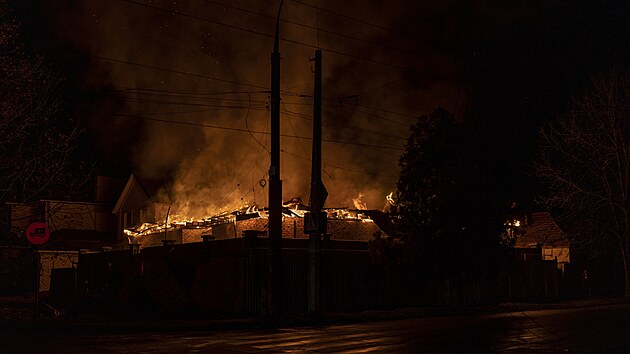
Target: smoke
[376, 81]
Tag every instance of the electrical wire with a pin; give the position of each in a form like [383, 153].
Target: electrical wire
[339, 167]
[431, 75]
[343, 126]
[316, 28]
[147, 66]
[386, 29]
[261, 106]
[249, 130]
[202, 125]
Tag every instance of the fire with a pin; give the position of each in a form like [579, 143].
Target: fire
[359, 203]
[293, 208]
[390, 198]
[176, 224]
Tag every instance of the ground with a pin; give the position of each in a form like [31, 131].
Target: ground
[577, 326]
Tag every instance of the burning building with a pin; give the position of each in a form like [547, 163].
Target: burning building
[146, 221]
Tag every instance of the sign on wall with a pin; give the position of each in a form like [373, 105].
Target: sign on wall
[38, 233]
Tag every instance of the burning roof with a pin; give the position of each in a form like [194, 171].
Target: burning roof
[343, 224]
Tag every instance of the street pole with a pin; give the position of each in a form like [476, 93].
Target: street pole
[274, 289]
[37, 281]
[317, 190]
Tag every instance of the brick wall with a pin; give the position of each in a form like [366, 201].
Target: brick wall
[346, 229]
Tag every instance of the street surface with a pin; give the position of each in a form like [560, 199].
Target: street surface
[601, 329]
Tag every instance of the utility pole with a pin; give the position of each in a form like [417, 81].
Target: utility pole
[274, 287]
[315, 221]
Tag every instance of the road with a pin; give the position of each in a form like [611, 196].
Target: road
[592, 329]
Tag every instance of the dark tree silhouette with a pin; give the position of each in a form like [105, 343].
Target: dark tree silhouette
[37, 139]
[447, 221]
[585, 162]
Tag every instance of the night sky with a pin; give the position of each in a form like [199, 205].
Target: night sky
[134, 67]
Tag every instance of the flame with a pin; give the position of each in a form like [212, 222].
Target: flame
[359, 203]
[293, 208]
[390, 198]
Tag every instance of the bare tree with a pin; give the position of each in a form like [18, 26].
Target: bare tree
[585, 162]
[37, 140]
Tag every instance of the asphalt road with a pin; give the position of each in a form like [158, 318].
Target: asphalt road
[600, 329]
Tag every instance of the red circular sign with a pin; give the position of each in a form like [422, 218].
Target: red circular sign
[37, 233]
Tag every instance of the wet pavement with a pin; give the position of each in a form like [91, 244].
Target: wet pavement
[601, 329]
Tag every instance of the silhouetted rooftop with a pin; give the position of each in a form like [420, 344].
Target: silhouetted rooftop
[541, 229]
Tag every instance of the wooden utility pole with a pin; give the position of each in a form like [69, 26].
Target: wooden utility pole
[274, 289]
[316, 218]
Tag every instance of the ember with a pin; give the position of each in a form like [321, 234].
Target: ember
[251, 217]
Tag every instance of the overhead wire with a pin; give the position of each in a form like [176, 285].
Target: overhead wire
[157, 101]
[398, 33]
[161, 102]
[181, 112]
[339, 167]
[349, 107]
[316, 28]
[255, 164]
[192, 92]
[154, 67]
[307, 120]
[249, 130]
[250, 107]
[296, 42]
[346, 127]
[248, 191]
[340, 99]
[203, 125]
[295, 132]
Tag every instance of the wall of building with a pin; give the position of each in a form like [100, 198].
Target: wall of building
[560, 254]
[155, 239]
[22, 216]
[50, 260]
[79, 216]
[339, 229]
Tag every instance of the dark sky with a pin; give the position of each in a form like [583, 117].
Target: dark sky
[509, 67]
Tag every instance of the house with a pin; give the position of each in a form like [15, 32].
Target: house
[141, 213]
[137, 204]
[540, 231]
[75, 226]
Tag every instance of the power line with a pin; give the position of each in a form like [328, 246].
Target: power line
[404, 124]
[192, 104]
[202, 125]
[258, 107]
[359, 21]
[341, 168]
[175, 71]
[249, 130]
[186, 97]
[191, 92]
[181, 112]
[353, 104]
[316, 28]
[367, 59]
[328, 123]
[154, 67]
[385, 111]
[251, 107]
[194, 94]
[307, 119]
